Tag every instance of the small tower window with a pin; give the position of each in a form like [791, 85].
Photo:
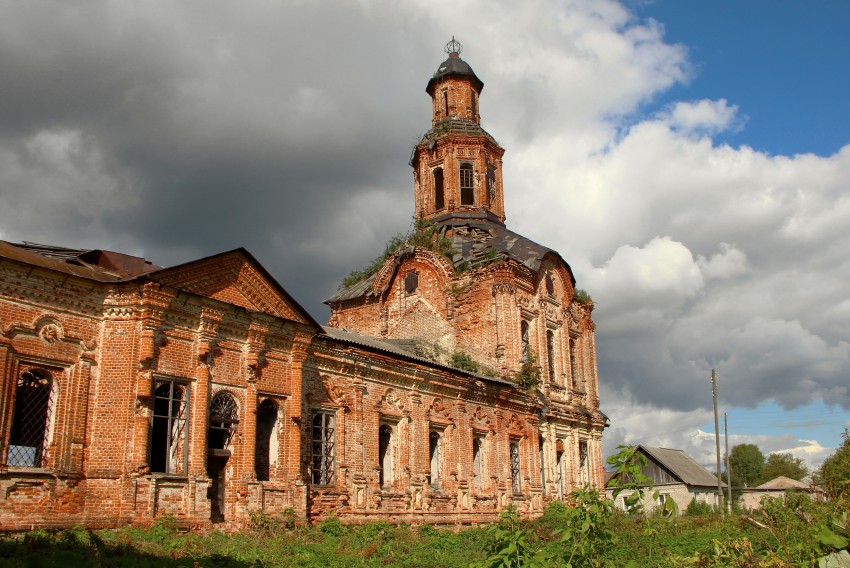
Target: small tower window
[467, 184]
[439, 192]
[474, 106]
[446, 102]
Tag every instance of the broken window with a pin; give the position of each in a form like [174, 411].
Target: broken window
[385, 454]
[434, 457]
[411, 282]
[323, 447]
[169, 432]
[439, 191]
[515, 468]
[526, 345]
[224, 416]
[550, 354]
[31, 419]
[479, 467]
[467, 185]
[266, 422]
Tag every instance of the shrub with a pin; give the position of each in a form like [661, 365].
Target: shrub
[696, 508]
[464, 362]
[529, 374]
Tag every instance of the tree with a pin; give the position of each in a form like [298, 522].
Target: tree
[835, 472]
[747, 464]
[785, 465]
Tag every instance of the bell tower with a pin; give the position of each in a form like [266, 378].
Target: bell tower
[457, 165]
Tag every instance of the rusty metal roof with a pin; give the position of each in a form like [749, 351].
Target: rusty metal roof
[91, 264]
[403, 348]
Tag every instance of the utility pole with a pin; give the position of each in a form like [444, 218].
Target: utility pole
[717, 440]
[728, 467]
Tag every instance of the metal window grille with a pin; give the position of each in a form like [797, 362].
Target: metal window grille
[515, 469]
[31, 419]
[169, 429]
[467, 183]
[323, 429]
[224, 416]
[266, 421]
[582, 461]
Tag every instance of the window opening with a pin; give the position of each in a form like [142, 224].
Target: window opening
[169, 432]
[542, 467]
[323, 447]
[515, 469]
[523, 332]
[385, 454]
[411, 282]
[478, 465]
[560, 458]
[473, 104]
[582, 462]
[446, 102]
[439, 191]
[434, 457]
[550, 354]
[550, 284]
[573, 369]
[266, 422]
[30, 419]
[224, 416]
[467, 184]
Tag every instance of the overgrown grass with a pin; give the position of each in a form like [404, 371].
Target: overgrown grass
[780, 535]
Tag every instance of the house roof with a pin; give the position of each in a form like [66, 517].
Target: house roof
[681, 465]
[782, 483]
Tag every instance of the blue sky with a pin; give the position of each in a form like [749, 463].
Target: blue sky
[690, 160]
[784, 63]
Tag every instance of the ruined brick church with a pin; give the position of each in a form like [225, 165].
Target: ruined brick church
[455, 379]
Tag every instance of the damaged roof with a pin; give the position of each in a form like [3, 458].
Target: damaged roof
[91, 264]
[476, 242]
[407, 348]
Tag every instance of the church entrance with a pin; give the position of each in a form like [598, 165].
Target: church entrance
[224, 417]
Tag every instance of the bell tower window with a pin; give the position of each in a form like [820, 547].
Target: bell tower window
[439, 192]
[467, 178]
[446, 102]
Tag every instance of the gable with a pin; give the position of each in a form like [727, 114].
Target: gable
[236, 278]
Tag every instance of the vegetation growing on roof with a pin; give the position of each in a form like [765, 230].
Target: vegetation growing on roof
[582, 297]
[464, 362]
[424, 235]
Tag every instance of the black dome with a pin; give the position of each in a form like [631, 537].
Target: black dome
[454, 65]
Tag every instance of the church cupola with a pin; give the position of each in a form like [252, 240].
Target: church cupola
[457, 165]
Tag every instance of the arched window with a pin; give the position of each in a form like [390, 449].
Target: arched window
[224, 416]
[439, 191]
[515, 468]
[266, 422]
[31, 419]
[550, 284]
[479, 467]
[550, 354]
[169, 432]
[434, 457]
[524, 340]
[385, 454]
[467, 185]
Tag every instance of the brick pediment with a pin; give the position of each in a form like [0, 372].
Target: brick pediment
[236, 278]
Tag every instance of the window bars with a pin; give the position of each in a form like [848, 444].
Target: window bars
[169, 432]
[224, 416]
[323, 448]
[31, 419]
